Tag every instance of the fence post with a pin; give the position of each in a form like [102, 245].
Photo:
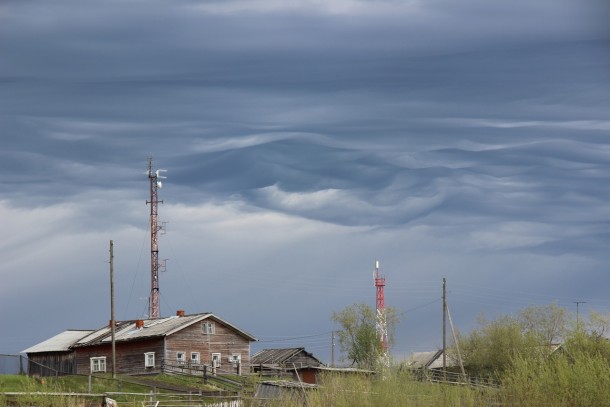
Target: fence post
[153, 394]
[89, 385]
[205, 374]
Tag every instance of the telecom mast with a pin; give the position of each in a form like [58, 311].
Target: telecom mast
[381, 321]
[155, 183]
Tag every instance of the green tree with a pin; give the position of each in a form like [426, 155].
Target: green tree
[590, 337]
[490, 349]
[358, 337]
[548, 323]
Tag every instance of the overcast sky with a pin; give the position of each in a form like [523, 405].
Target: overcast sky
[303, 140]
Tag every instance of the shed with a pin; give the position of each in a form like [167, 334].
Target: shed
[55, 355]
[311, 374]
[283, 390]
[280, 360]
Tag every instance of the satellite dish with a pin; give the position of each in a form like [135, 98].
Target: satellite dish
[159, 184]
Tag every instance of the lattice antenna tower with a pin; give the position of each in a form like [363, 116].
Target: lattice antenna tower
[155, 184]
[381, 321]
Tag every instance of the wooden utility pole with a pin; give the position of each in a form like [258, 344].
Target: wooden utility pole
[332, 349]
[112, 321]
[577, 313]
[444, 325]
[457, 345]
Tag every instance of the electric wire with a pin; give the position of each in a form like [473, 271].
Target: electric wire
[133, 283]
[294, 338]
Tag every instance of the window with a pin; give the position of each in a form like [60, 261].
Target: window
[235, 358]
[149, 359]
[180, 356]
[195, 358]
[98, 364]
[209, 328]
[215, 359]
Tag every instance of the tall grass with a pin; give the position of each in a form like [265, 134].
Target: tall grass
[60, 391]
[34, 394]
[395, 388]
[576, 380]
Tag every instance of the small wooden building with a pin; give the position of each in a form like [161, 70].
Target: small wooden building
[311, 374]
[55, 355]
[282, 360]
[272, 392]
[181, 343]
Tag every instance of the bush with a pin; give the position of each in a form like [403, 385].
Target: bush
[568, 379]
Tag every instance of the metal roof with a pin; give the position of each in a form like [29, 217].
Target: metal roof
[337, 369]
[277, 356]
[430, 360]
[128, 331]
[59, 343]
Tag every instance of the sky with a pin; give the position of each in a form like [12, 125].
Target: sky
[303, 140]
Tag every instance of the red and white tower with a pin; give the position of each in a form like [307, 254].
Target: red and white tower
[155, 183]
[381, 321]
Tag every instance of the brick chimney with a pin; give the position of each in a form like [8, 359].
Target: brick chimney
[139, 323]
[180, 313]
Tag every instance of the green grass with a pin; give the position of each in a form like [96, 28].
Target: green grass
[395, 389]
[188, 381]
[573, 380]
[36, 389]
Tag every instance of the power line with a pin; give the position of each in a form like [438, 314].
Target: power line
[421, 306]
[295, 338]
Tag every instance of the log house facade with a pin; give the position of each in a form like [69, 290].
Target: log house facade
[163, 345]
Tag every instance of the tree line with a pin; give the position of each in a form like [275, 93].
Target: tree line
[540, 353]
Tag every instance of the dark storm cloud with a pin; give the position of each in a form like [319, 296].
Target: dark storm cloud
[470, 137]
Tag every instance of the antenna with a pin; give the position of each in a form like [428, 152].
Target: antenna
[155, 183]
[381, 322]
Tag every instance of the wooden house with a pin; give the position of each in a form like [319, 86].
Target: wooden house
[55, 355]
[282, 360]
[181, 343]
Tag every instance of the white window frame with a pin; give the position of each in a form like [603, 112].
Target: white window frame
[218, 357]
[149, 359]
[235, 358]
[208, 328]
[181, 360]
[98, 364]
[197, 359]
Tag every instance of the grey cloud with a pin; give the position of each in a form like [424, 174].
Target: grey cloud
[464, 140]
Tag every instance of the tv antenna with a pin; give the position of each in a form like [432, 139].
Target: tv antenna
[155, 184]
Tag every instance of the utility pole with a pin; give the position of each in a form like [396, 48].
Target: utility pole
[444, 325]
[577, 314]
[457, 346]
[332, 349]
[112, 320]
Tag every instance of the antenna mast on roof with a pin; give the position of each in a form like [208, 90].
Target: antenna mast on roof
[155, 183]
[381, 321]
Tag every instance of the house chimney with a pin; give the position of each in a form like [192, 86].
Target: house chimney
[180, 313]
[139, 323]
